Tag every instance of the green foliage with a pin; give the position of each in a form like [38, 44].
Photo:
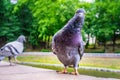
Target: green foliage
[39, 20]
[27, 22]
[45, 50]
[117, 51]
[107, 18]
[52, 15]
[94, 51]
[9, 23]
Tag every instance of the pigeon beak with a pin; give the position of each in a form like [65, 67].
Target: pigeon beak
[81, 14]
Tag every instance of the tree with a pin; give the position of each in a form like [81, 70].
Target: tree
[27, 23]
[51, 15]
[107, 21]
[9, 22]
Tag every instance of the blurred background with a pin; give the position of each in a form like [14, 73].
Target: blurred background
[39, 20]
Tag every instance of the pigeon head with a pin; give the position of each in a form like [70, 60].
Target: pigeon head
[79, 18]
[21, 39]
[80, 12]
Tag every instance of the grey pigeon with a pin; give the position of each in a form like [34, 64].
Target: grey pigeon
[12, 49]
[67, 43]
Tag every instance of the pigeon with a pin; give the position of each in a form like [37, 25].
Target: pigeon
[67, 43]
[12, 49]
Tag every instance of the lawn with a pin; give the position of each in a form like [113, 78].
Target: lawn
[102, 62]
[112, 63]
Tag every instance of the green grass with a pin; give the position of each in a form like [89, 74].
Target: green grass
[45, 50]
[41, 59]
[112, 63]
[117, 51]
[103, 62]
[81, 71]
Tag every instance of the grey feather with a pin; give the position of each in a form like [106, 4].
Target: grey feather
[12, 49]
[67, 43]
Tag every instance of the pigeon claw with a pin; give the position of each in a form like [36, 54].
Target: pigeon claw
[62, 72]
[74, 73]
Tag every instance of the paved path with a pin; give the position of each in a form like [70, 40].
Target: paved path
[20, 72]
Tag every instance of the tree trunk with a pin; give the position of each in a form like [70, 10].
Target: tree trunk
[87, 44]
[105, 47]
[114, 40]
[95, 43]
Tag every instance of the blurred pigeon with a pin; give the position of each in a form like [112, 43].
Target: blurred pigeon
[12, 49]
[67, 43]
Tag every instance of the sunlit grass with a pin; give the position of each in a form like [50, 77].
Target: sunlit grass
[113, 63]
[81, 71]
[40, 59]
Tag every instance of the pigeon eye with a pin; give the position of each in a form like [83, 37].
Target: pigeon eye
[80, 14]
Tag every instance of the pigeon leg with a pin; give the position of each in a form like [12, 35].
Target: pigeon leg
[9, 58]
[63, 71]
[15, 59]
[75, 72]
